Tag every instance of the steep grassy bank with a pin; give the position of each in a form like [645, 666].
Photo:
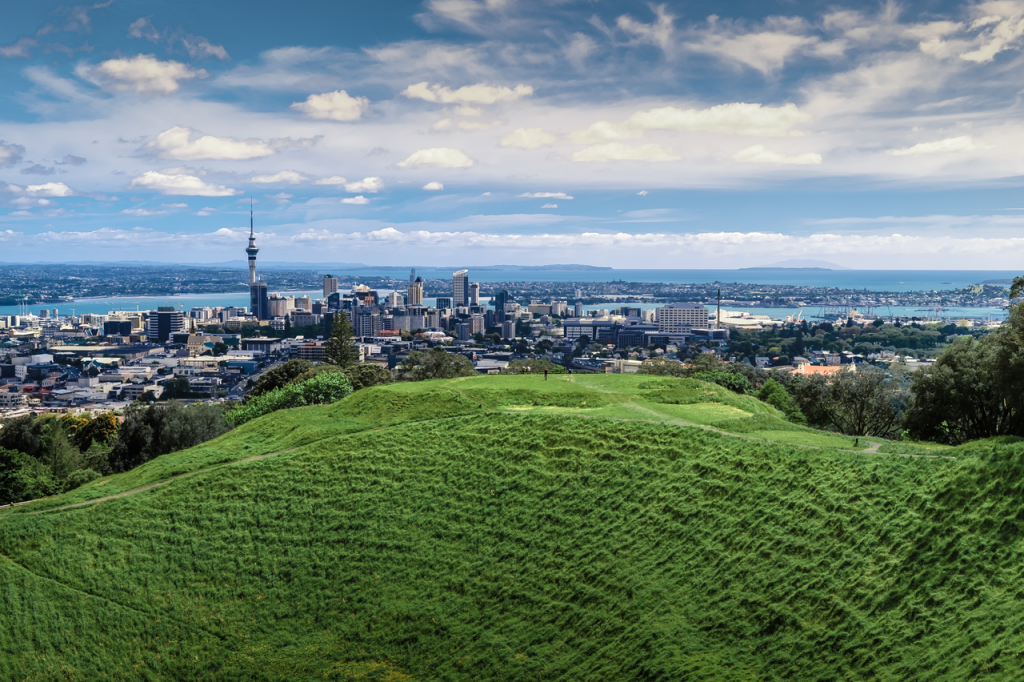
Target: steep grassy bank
[513, 532]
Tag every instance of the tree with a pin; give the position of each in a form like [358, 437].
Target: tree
[533, 366]
[435, 364]
[868, 402]
[24, 434]
[367, 375]
[773, 393]
[220, 348]
[341, 349]
[152, 430]
[178, 387]
[288, 325]
[59, 454]
[279, 376]
[972, 391]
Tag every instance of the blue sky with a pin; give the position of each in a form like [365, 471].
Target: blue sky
[627, 134]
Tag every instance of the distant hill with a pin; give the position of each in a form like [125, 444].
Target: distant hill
[603, 527]
[799, 264]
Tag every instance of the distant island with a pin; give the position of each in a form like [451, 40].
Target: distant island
[799, 264]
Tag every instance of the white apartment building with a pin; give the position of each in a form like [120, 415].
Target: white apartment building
[682, 317]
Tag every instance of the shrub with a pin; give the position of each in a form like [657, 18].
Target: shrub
[149, 431]
[773, 393]
[325, 387]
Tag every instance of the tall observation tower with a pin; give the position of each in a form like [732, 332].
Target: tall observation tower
[259, 302]
[252, 250]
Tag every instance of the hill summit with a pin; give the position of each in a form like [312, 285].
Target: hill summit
[598, 527]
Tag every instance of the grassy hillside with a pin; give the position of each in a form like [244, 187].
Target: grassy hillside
[609, 528]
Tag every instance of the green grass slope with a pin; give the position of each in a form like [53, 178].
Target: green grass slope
[495, 528]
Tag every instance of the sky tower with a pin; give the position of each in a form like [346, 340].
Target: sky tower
[252, 250]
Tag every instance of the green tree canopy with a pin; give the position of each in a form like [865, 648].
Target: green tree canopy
[436, 363]
[341, 348]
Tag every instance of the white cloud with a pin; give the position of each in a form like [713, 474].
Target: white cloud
[144, 74]
[285, 177]
[1003, 24]
[469, 94]
[176, 143]
[10, 154]
[642, 193]
[766, 49]
[141, 212]
[580, 47]
[658, 33]
[478, 125]
[205, 211]
[441, 157]
[761, 154]
[49, 189]
[333, 106]
[174, 205]
[544, 195]
[550, 206]
[180, 184]
[280, 197]
[433, 186]
[359, 200]
[528, 138]
[199, 47]
[738, 118]
[442, 125]
[950, 144]
[22, 47]
[333, 180]
[371, 185]
[617, 151]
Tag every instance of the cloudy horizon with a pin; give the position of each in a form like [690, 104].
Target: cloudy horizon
[619, 134]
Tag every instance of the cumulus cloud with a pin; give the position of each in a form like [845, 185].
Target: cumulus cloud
[617, 151]
[359, 200]
[285, 177]
[333, 106]
[49, 189]
[72, 160]
[173, 183]
[739, 118]
[371, 185]
[950, 144]
[144, 74]
[467, 94]
[433, 187]
[441, 157]
[177, 143]
[544, 195]
[761, 154]
[10, 154]
[528, 138]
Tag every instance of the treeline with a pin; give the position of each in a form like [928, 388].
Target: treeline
[902, 339]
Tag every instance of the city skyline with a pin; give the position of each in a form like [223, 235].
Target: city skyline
[439, 131]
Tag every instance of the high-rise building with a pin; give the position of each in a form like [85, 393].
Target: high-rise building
[416, 292]
[682, 317]
[508, 329]
[578, 309]
[164, 322]
[474, 293]
[412, 276]
[395, 299]
[259, 302]
[251, 250]
[460, 288]
[330, 285]
[443, 303]
[304, 303]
